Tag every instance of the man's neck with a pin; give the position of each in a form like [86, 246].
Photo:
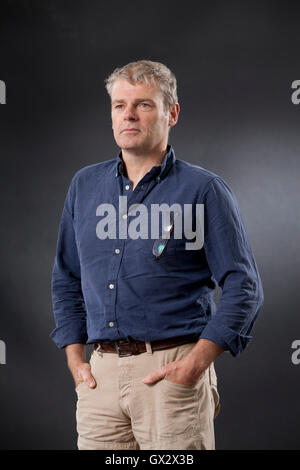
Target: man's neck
[137, 165]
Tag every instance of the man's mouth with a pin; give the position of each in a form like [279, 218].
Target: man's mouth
[129, 131]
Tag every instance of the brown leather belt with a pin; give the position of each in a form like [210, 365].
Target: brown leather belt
[128, 348]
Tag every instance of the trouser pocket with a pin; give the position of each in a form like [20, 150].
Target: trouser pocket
[214, 389]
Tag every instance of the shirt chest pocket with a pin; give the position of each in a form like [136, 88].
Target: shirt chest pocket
[148, 247]
[165, 243]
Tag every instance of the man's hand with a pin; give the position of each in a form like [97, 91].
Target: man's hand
[187, 370]
[82, 373]
[182, 372]
[80, 369]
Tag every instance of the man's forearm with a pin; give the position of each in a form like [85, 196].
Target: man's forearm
[203, 354]
[76, 354]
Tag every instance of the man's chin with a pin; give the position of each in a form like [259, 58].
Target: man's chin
[130, 146]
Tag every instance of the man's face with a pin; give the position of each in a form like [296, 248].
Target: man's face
[139, 120]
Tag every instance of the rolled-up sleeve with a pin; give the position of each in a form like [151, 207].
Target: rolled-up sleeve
[233, 266]
[67, 298]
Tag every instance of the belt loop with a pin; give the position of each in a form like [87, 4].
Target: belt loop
[98, 350]
[148, 347]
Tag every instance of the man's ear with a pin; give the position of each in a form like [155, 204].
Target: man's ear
[173, 114]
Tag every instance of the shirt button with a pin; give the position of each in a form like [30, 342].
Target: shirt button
[111, 323]
[158, 179]
[124, 216]
[127, 186]
[117, 251]
[111, 286]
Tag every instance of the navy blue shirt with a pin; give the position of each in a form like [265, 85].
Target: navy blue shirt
[110, 289]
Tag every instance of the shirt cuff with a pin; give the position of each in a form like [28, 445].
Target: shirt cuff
[65, 335]
[226, 338]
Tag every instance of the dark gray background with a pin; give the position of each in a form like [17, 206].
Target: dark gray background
[235, 63]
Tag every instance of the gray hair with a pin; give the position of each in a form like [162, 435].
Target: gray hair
[153, 73]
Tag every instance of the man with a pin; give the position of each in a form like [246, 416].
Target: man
[146, 303]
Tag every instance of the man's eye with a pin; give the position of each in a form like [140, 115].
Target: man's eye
[118, 106]
[145, 105]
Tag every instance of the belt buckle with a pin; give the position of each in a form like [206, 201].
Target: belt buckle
[118, 350]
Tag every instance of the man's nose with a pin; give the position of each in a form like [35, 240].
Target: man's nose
[130, 113]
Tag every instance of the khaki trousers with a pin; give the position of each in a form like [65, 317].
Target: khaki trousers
[123, 413]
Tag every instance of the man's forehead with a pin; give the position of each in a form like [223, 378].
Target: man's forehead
[123, 89]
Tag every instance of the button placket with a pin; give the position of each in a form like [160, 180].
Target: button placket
[117, 253]
[112, 283]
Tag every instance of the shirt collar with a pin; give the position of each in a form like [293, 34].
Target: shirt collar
[159, 170]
